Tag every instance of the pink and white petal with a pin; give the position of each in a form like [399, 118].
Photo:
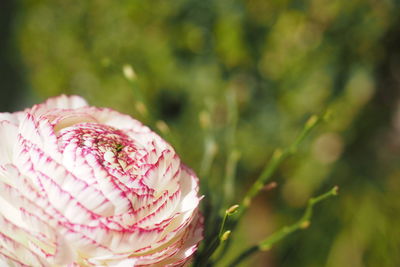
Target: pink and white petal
[88, 196]
[182, 219]
[118, 120]
[59, 102]
[37, 228]
[36, 164]
[23, 194]
[10, 214]
[74, 160]
[15, 117]
[64, 202]
[150, 142]
[164, 212]
[62, 254]
[49, 139]
[115, 192]
[14, 243]
[177, 251]
[189, 186]
[8, 138]
[26, 237]
[62, 119]
[131, 241]
[160, 175]
[112, 260]
[85, 245]
[7, 261]
[144, 205]
[161, 254]
[194, 236]
[168, 233]
[100, 241]
[127, 262]
[123, 241]
[39, 133]
[153, 254]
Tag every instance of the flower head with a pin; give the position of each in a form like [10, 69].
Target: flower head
[87, 186]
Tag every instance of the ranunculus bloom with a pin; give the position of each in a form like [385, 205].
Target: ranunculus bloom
[87, 186]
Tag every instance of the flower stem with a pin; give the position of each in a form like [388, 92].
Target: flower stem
[222, 236]
[302, 223]
[277, 158]
[230, 173]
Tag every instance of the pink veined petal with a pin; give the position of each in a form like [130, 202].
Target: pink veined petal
[146, 204]
[63, 253]
[15, 244]
[161, 175]
[44, 168]
[9, 262]
[159, 254]
[178, 251]
[96, 242]
[177, 225]
[14, 203]
[44, 233]
[22, 195]
[165, 211]
[114, 191]
[90, 197]
[39, 133]
[121, 241]
[174, 229]
[63, 201]
[85, 243]
[14, 118]
[74, 160]
[55, 250]
[161, 250]
[194, 236]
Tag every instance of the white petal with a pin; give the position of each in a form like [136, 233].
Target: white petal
[14, 118]
[118, 120]
[59, 102]
[8, 137]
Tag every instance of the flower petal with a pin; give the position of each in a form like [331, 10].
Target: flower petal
[59, 102]
[8, 137]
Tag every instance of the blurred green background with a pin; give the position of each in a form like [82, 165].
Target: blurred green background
[227, 76]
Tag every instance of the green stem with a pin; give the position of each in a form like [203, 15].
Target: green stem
[230, 173]
[277, 158]
[219, 239]
[302, 223]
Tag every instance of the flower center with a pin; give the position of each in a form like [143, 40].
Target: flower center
[112, 148]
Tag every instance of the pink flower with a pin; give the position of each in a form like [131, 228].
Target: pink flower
[87, 186]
